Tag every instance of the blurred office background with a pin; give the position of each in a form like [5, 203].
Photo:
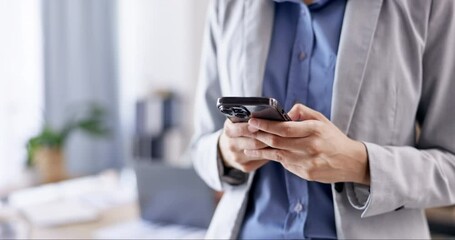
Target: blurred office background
[139, 61]
[57, 55]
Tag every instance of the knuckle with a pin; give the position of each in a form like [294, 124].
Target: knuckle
[314, 147]
[279, 156]
[286, 131]
[237, 158]
[231, 146]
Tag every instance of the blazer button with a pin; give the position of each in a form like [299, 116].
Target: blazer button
[339, 186]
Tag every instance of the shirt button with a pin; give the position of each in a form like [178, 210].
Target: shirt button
[302, 56]
[298, 208]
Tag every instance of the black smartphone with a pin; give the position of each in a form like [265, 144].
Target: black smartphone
[241, 109]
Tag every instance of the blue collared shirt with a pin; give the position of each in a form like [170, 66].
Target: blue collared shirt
[300, 69]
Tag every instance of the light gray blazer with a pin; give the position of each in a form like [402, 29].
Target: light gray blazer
[395, 67]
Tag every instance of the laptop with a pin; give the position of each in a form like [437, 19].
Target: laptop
[174, 204]
[173, 195]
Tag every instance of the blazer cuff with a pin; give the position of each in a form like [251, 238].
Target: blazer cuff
[383, 197]
[358, 195]
[229, 175]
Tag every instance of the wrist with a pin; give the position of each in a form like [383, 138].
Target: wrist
[227, 173]
[361, 156]
[220, 152]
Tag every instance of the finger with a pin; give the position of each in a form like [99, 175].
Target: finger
[252, 129]
[240, 158]
[287, 129]
[252, 166]
[242, 143]
[236, 129]
[300, 112]
[270, 153]
[307, 145]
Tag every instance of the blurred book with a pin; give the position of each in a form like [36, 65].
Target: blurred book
[157, 135]
[156, 113]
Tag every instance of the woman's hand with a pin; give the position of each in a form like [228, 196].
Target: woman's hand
[235, 139]
[311, 147]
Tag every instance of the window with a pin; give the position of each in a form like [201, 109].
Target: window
[21, 84]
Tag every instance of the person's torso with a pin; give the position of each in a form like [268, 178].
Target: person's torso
[300, 69]
[242, 34]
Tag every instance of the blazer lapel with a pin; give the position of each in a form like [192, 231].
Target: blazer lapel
[359, 25]
[257, 28]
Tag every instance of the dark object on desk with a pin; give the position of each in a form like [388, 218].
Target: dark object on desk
[173, 195]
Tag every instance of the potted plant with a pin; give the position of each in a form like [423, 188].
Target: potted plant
[45, 150]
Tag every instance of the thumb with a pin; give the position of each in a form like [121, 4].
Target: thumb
[300, 112]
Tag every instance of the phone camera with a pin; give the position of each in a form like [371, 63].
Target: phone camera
[241, 112]
[241, 115]
[226, 111]
[235, 111]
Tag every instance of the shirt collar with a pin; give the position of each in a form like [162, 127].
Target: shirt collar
[315, 4]
[294, 1]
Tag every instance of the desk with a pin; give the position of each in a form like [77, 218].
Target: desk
[103, 206]
[109, 217]
[108, 198]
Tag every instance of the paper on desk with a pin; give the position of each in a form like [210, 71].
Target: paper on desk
[59, 213]
[74, 201]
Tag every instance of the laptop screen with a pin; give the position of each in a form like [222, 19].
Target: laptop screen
[173, 195]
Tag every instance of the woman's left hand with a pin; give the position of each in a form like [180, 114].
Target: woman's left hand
[311, 147]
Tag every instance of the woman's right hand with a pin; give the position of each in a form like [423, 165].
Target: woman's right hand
[234, 140]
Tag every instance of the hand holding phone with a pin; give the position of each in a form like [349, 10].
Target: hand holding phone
[236, 137]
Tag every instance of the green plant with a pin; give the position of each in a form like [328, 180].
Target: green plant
[92, 122]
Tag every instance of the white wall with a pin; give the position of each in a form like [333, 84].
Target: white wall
[159, 47]
[21, 84]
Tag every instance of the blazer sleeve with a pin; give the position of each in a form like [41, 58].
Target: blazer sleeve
[421, 176]
[208, 121]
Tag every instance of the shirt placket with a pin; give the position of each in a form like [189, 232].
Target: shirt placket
[299, 72]
[297, 92]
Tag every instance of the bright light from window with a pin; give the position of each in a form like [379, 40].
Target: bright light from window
[21, 84]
